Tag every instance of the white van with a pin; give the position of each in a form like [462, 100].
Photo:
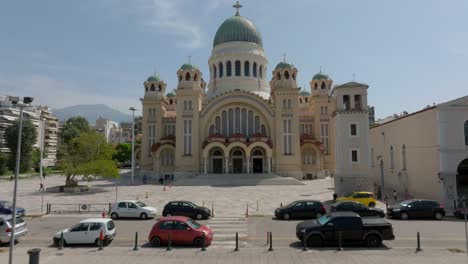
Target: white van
[87, 232]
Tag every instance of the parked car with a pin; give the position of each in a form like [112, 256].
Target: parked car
[6, 208]
[185, 208]
[183, 230]
[88, 232]
[353, 229]
[416, 208]
[132, 209]
[301, 209]
[6, 226]
[366, 198]
[356, 207]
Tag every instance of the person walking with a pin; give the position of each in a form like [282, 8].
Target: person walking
[41, 187]
[144, 179]
[379, 193]
[395, 195]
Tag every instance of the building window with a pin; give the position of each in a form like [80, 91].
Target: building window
[286, 75]
[392, 158]
[224, 120]
[231, 121]
[152, 87]
[466, 133]
[326, 110]
[315, 85]
[246, 68]
[321, 110]
[250, 124]
[289, 104]
[346, 102]
[284, 103]
[257, 124]
[228, 69]
[260, 71]
[185, 106]
[278, 76]
[244, 121]
[403, 156]
[221, 70]
[287, 137]
[238, 68]
[190, 105]
[323, 86]
[357, 101]
[354, 156]
[324, 136]
[353, 129]
[214, 71]
[187, 137]
[254, 69]
[187, 76]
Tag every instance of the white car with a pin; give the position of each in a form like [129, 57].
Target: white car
[88, 232]
[132, 209]
[6, 222]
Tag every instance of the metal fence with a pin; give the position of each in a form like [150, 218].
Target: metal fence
[59, 208]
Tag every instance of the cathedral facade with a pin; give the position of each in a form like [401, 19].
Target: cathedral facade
[239, 122]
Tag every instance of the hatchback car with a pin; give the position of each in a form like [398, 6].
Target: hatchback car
[132, 209]
[6, 226]
[182, 230]
[417, 208]
[6, 208]
[88, 232]
[356, 207]
[366, 198]
[301, 209]
[185, 208]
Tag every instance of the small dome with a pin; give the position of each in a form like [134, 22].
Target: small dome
[304, 93]
[284, 65]
[237, 28]
[320, 76]
[188, 66]
[170, 94]
[153, 78]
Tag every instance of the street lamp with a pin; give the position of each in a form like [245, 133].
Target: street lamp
[133, 109]
[16, 102]
[41, 174]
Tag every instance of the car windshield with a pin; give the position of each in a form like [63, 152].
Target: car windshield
[18, 221]
[7, 204]
[140, 204]
[405, 203]
[323, 220]
[193, 224]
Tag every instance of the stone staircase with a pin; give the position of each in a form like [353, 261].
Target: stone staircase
[237, 180]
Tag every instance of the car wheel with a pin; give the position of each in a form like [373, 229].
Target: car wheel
[371, 204]
[318, 215]
[199, 216]
[314, 241]
[373, 241]
[114, 216]
[143, 216]
[286, 216]
[155, 242]
[198, 242]
[56, 241]
[438, 216]
[404, 216]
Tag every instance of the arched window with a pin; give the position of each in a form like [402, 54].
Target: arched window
[321, 110]
[278, 76]
[228, 69]
[263, 130]
[152, 88]
[214, 71]
[170, 101]
[221, 70]
[217, 153]
[146, 88]
[305, 99]
[466, 133]
[284, 103]
[326, 110]
[237, 153]
[238, 68]
[323, 86]
[300, 100]
[224, 120]
[254, 69]
[211, 132]
[286, 75]
[246, 68]
[159, 88]
[289, 104]
[257, 152]
[315, 86]
[190, 105]
[260, 71]
[217, 124]
[403, 156]
[195, 77]
[185, 105]
[187, 76]
[392, 158]
[257, 124]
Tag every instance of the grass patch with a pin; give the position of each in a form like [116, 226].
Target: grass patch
[455, 250]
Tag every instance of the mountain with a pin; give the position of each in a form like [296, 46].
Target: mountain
[91, 112]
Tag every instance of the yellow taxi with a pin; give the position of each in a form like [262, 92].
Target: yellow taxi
[366, 198]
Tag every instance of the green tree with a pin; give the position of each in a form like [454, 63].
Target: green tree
[72, 128]
[28, 139]
[89, 155]
[36, 158]
[123, 152]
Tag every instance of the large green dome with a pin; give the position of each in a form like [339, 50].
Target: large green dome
[237, 28]
[154, 78]
[320, 76]
[188, 66]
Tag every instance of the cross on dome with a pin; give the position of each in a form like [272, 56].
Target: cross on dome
[189, 57]
[237, 6]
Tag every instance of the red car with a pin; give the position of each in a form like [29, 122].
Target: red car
[183, 230]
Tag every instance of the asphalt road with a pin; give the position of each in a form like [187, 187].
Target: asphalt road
[446, 234]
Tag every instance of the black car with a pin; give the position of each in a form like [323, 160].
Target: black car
[301, 209]
[347, 225]
[417, 208]
[356, 207]
[185, 208]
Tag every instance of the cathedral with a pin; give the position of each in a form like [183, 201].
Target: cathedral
[238, 122]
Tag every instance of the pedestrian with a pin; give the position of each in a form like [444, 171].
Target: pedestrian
[379, 193]
[41, 187]
[144, 179]
[394, 195]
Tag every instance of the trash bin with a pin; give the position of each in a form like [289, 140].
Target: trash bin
[34, 255]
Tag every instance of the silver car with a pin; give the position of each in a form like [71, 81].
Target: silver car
[6, 228]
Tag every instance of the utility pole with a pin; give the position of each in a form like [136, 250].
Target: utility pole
[133, 109]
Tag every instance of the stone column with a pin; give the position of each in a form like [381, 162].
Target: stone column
[248, 164]
[269, 164]
[226, 164]
[204, 160]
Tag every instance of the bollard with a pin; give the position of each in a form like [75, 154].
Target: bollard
[34, 255]
[247, 210]
[110, 207]
[169, 246]
[146, 195]
[101, 241]
[136, 242]
[271, 242]
[237, 242]
[103, 213]
[268, 238]
[419, 242]
[212, 209]
[203, 248]
[61, 241]
[340, 245]
[281, 204]
[304, 241]
[203, 203]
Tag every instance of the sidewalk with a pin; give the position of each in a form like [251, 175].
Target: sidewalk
[226, 256]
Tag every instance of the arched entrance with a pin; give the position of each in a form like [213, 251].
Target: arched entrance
[237, 157]
[217, 161]
[258, 156]
[462, 179]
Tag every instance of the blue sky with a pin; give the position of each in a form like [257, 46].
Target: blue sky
[411, 53]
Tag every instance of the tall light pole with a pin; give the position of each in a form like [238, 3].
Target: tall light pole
[133, 109]
[15, 101]
[41, 174]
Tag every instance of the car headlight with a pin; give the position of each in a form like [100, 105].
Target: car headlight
[302, 230]
[396, 209]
